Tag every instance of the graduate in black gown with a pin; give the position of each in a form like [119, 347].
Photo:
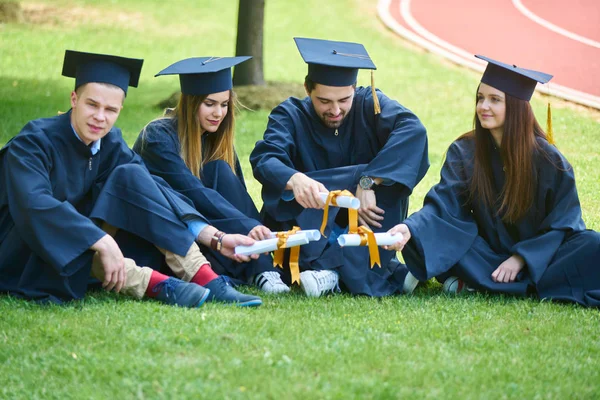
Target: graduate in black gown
[68, 184]
[192, 148]
[340, 137]
[505, 216]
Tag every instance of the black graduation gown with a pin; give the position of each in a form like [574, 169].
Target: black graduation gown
[393, 147]
[452, 236]
[52, 191]
[221, 196]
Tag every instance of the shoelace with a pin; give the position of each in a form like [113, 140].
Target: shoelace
[168, 285]
[227, 280]
[326, 279]
[220, 289]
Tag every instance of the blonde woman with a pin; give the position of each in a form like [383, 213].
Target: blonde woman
[192, 148]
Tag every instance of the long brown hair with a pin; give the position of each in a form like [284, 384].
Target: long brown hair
[218, 145]
[518, 149]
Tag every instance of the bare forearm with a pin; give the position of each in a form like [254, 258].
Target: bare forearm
[205, 236]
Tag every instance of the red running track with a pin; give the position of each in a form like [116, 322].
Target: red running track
[498, 29]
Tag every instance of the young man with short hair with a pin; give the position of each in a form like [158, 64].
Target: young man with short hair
[75, 201]
[340, 137]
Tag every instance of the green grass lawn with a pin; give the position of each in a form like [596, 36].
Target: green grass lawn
[425, 346]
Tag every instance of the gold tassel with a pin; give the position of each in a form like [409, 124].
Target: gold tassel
[549, 133]
[376, 105]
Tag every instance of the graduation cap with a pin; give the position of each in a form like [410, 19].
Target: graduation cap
[333, 63]
[103, 68]
[204, 75]
[515, 81]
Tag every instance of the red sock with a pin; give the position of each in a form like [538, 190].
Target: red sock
[204, 275]
[155, 279]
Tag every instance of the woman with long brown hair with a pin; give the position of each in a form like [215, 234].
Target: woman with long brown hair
[505, 216]
[192, 148]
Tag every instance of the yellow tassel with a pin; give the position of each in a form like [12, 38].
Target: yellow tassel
[549, 133]
[376, 105]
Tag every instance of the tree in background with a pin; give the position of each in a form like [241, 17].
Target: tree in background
[250, 43]
[248, 78]
[10, 11]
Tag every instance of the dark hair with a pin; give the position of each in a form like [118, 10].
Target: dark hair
[310, 85]
[518, 149]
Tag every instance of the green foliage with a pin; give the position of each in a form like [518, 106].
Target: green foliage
[426, 345]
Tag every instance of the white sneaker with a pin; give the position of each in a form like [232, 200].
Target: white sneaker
[270, 282]
[410, 283]
[454, 285]
[318, 283]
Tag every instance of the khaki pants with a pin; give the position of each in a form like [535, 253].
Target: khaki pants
[138, 278]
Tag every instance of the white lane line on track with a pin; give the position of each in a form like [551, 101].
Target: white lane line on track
[383, 7]
[554, 28]
[383, 11]
[417, 27]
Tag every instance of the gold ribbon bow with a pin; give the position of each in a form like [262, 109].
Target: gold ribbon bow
[331, 199]
[282, 238]
[367, 237]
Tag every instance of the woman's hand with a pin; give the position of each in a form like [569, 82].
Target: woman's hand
[402, 239]
[508, 270]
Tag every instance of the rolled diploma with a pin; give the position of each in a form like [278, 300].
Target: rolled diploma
[265, 246]
[311, 234]
[382, 239]
[343, 201]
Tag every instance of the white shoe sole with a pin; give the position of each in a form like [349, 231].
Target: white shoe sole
[410, 284]
[309, 285]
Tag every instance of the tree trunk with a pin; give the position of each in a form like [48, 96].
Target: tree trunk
[250, 43]
[10, 11]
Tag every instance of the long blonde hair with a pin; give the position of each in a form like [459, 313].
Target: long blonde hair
[218, 145]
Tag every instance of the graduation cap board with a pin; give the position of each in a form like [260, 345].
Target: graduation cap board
[204, 75]
[103, 68]
[333, 63]
[517, 82]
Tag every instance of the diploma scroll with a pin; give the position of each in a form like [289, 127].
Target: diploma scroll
[268, 245]
[311, 234]
[343, 201]
[382, 239]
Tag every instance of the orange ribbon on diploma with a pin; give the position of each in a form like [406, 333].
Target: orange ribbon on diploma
[367, 237]
[352, 213]
[282, 238]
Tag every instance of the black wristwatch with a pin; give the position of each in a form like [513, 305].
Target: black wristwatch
[366, 182]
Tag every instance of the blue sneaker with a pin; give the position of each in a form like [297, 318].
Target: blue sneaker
[222, 291]
[176, 292]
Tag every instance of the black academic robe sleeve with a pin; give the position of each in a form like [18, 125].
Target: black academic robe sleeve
[563, 211]
[403, 158]
[160, 151]
[272, 157]
[53, 229]
[444, 229]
